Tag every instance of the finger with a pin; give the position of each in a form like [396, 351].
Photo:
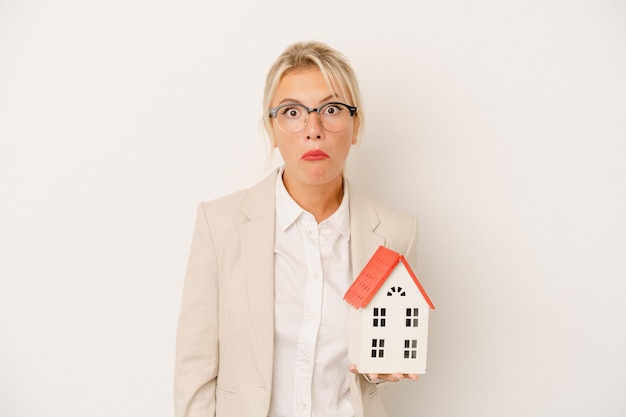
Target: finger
[412, 377]
[398, 376]
[353, 369]
[391, 377]
[373, 377]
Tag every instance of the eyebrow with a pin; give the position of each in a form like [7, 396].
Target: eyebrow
[293, 100]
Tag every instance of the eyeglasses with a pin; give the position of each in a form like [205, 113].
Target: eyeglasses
[293, 117]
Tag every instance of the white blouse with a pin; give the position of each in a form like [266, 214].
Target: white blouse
[312, 271]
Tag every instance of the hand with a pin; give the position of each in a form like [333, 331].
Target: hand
[395, 377]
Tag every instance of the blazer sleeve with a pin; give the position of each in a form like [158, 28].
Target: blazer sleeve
[197, 358]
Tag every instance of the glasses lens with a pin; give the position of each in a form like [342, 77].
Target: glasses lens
[334, 117]
[292, 118]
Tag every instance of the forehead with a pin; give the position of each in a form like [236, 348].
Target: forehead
[306, 85]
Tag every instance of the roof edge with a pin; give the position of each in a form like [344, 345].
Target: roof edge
[417, 282]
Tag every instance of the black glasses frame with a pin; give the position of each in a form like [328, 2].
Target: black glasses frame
[273, 112]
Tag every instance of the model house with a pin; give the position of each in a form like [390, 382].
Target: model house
[389, 322]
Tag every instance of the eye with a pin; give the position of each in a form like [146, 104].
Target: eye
[291, 112]
[331, 110]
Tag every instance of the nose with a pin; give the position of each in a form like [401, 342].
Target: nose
[314, 128]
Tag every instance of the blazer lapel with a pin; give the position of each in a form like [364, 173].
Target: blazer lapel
[257, 245]
[363, 223]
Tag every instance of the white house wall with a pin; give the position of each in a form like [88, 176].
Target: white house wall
[394, 332]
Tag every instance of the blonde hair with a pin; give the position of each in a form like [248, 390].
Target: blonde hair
[334, 67]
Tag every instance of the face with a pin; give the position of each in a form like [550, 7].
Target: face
[312, 156]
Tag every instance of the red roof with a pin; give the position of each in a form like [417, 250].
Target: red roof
[372, 277]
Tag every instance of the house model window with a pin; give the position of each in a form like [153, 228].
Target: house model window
[380, 315]
[389, 322]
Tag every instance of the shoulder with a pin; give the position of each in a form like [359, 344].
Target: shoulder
[227, 203]
[396, 227]
[376, 210]
[243, 204]
[389, 213]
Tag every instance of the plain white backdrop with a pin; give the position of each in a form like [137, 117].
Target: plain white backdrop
[501, 124]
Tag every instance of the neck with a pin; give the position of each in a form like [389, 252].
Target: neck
[321, 200]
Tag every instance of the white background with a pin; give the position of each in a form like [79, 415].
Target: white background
[500, 124]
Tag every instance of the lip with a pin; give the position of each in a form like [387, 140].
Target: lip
[315, 155]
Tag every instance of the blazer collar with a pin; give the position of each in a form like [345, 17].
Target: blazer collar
[260, 207]
[364, 221]
[260, 201]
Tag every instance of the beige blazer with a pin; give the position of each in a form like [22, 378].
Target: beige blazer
[225, 340]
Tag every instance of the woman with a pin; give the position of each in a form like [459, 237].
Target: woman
[263, 327]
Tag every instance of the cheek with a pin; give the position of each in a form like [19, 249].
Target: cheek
[346, 144]
[355, 132]
[351, 136]
[273, 136]
[285, 145]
